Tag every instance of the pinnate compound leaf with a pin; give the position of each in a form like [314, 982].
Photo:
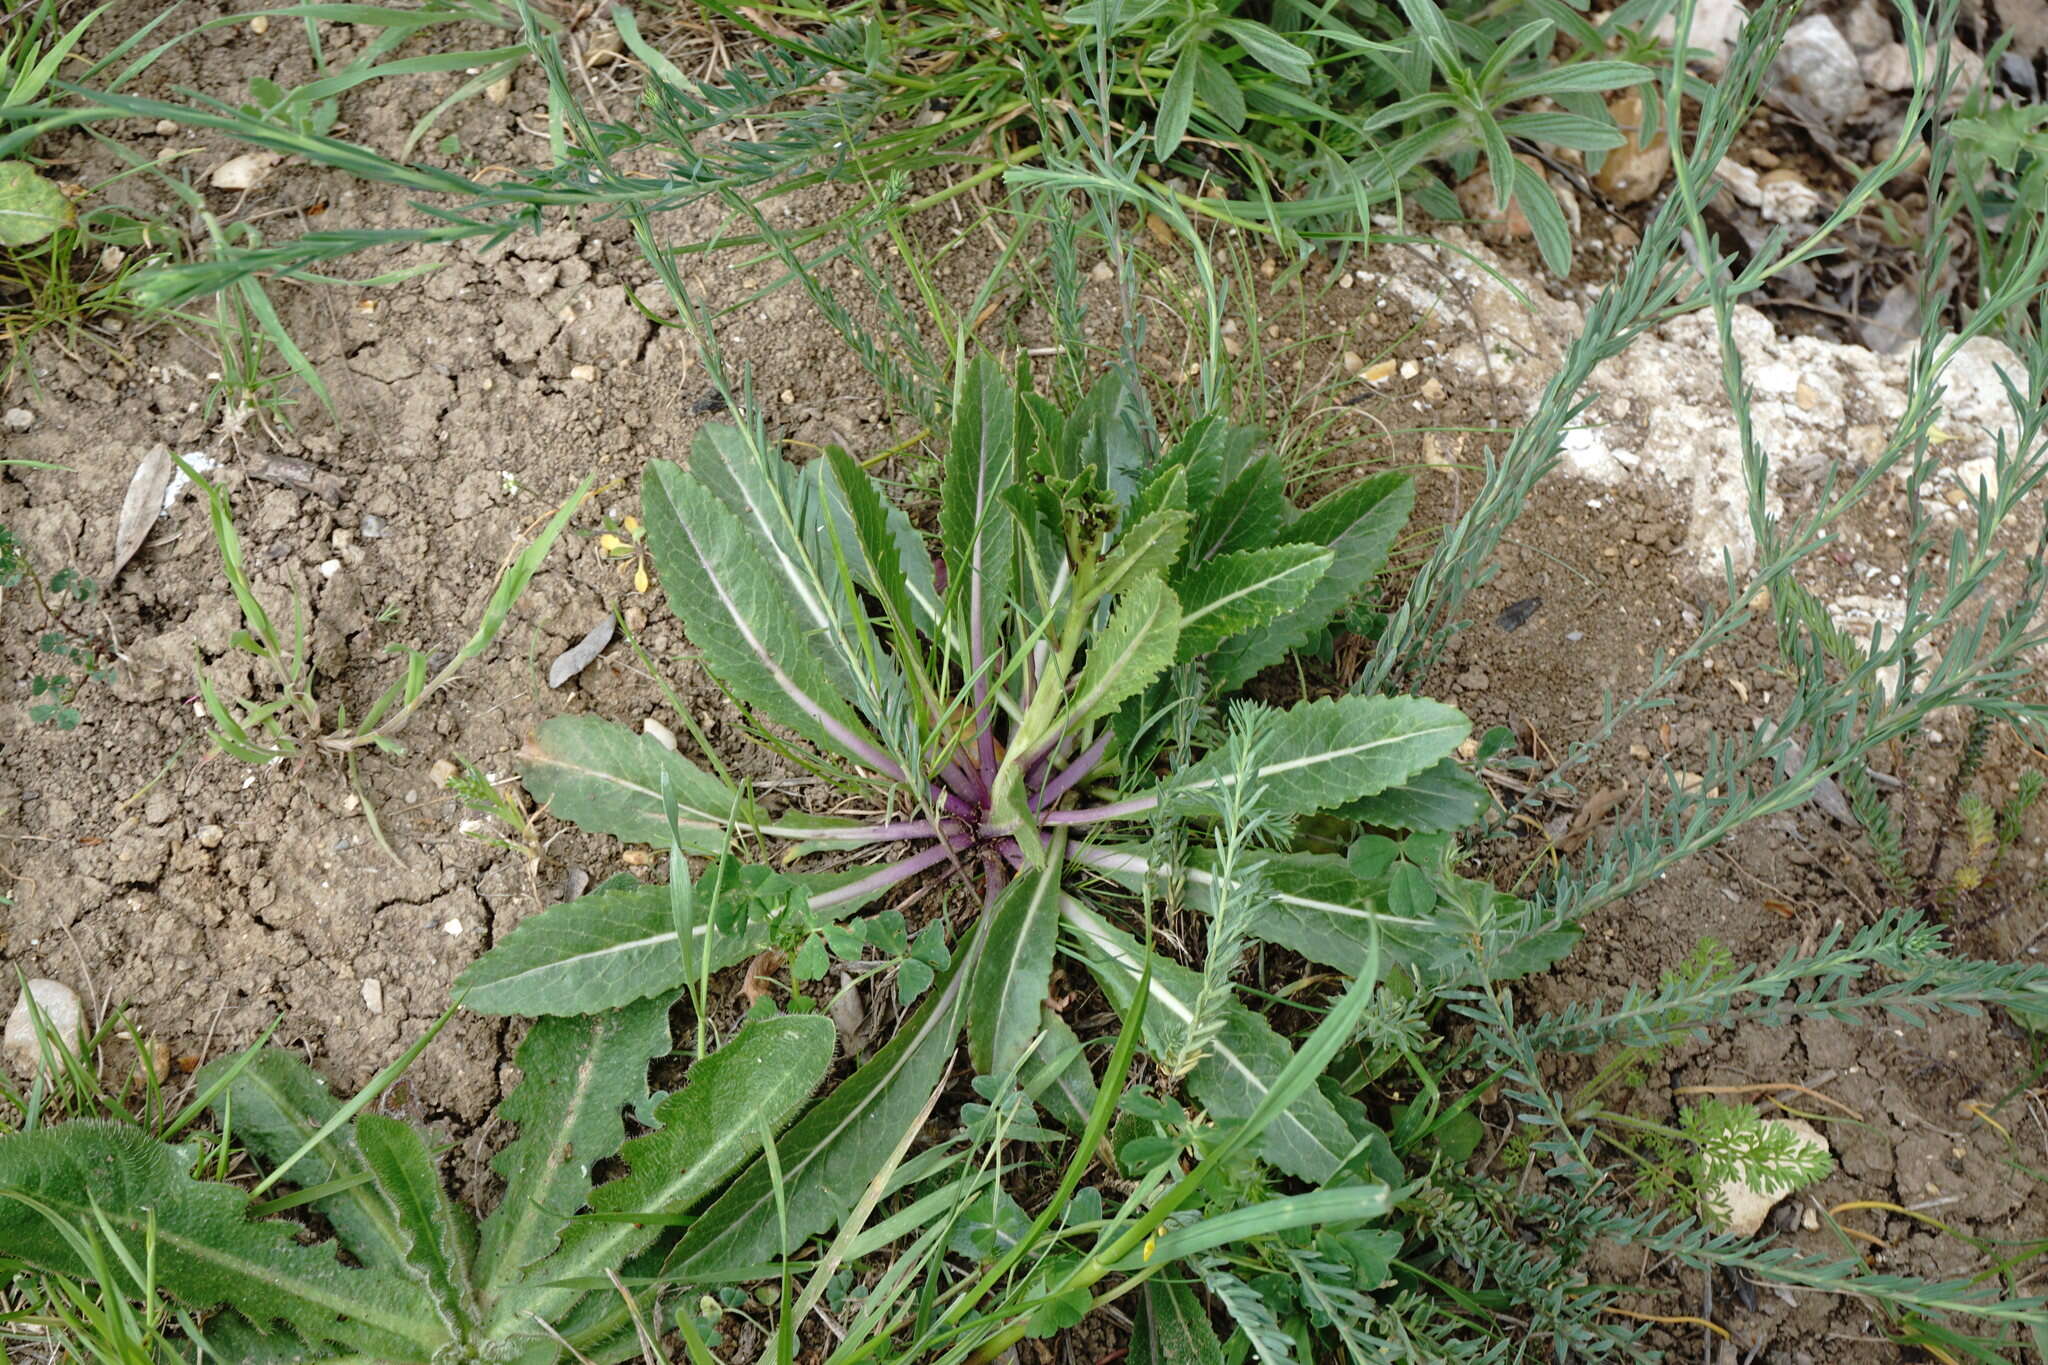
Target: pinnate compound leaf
[1324, 753]
[207, 1251]
[600, 776]
[708, 1128]
[578, 1076]
[1137, 645]
[830, 1154]
[275, 1102]
[610, 948]
[442, 1232]
[1011, 976]
[1308, 1139]
[734, 609]
[1235, 592]
[1358, 524]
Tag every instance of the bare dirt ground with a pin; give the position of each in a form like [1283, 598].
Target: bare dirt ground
[211, 898]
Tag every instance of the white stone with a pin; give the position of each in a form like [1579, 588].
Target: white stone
[1790, 200]
[373, 995]
[1716, 25]
[62, 1013]
[244, 172]
[19, 419]
[1817, 64]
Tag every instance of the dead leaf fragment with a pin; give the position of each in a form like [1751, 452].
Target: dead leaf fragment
[142, 505]
[761, 972]
[580, 655]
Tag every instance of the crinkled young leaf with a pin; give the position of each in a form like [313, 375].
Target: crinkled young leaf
[1011, 977]
[276, 1102]
[1137, 645]
[1307, 1140]
[1358, 524]
[607, 949]
[1150, 545]
[1235, 592]
[830, 1154]
[1321, 754]
[602, 777]
[708, 1128]
[441, 1232]
[733, 607]
[207, 1250]
[578, 1077]
[1440, 797]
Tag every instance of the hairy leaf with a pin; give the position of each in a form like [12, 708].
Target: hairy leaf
[1235, 592]
[1441, 797]
[1058, 1077]
[578, 1076]
[1358, 524]
[1151, 544]
[1137, 645]
[888, 556]
[1324, 753]
[832, 1152]
[207, 1250]
[611, 947]
[735, 610]
[975, 524]
[1308, 1139]
[442, 1233]
[600, 776]
[1011, 977]
[750, 1086]
[1174, 1328]
[274, 1104]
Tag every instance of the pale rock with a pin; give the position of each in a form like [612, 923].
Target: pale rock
[1741, 182]
[1749, 1205]
[1716, 27]
[19, 419]
[1817, 64]
[1788, 199]
[62, 1013]
[244, 172]
[1866, 26]
[373, 995]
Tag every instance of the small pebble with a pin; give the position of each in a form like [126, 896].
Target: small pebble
[260, 24]
[453, 928]
[19, 419]
[164, 127]
[209, 836]
[1353, 362]
[329, 568]
[1433, 390]
[442, 771]
[1102, 274]
[375, 527]
[1344, 281]
[789, 395]
[1380, 372]
[373, 994]
[1410, 368]
[583, 374]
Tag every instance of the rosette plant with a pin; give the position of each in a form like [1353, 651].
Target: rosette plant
[1025, 701]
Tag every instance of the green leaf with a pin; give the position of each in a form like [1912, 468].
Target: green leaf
[1174, 1328]
[1176, 103]
[1441, 797]
[31, 206]
[1011, 976]
[1057, 1077]
[578, 1076]
[442, 1232]
[975, 525]
[733, 607]
[207, 1252]
[1137, 645]
[1345, 1204]
[610, 948]
[1308, 1139]
[600, 776]
[1324, 753]
[1409, 893]
[272, 1106]
[1151, 544]
[890, 559]
[1235, 592]
[827, 1159]
[750, 1086]
[1358, 524]
[1546, 220]
[1219, 90]
[1268, 49]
